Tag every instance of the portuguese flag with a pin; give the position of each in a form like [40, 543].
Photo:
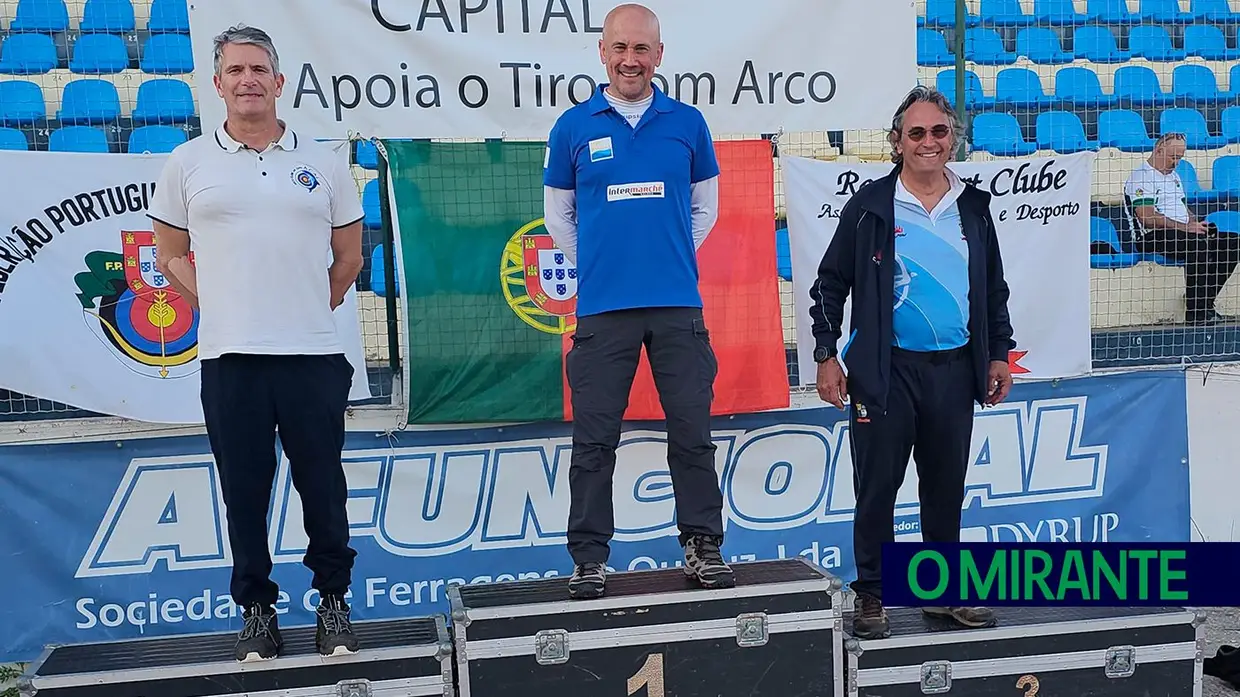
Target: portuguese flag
[489, 301]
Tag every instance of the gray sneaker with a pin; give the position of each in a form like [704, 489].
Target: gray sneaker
[971, 617]
[589, 581]
[704, 563]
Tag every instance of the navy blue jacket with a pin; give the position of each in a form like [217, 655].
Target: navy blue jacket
[859, 261]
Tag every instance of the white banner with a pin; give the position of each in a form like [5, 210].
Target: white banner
[1041, 209]
[490, 68]
[84, 318]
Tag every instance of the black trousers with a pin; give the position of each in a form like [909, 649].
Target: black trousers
[1209, 261]
[247, 400]
[930, 415]
[600, 368]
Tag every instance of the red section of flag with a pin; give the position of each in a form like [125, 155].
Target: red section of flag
[1014, 365]
[739, 282]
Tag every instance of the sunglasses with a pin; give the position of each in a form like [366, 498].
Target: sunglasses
[917, 133]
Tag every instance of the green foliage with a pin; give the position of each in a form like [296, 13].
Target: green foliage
[8, 674]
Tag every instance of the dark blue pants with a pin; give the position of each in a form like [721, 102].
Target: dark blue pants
[248, 400]
[930, 416]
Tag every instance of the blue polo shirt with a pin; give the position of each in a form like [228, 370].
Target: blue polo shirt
[634, 229]
[932, 274]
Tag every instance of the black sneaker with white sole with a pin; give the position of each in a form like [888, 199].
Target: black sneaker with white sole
[704, 562]
[589, 581]
[260, 638]
[335, 635]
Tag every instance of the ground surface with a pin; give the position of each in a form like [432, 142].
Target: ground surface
[1222, 627]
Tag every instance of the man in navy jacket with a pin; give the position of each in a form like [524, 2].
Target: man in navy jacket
[918, 252]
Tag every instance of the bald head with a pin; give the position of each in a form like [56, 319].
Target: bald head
[632, 16]
[632, 49]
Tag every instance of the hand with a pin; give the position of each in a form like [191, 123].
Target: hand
[832, 385]
[185, 273]
[1198, 228]
[337, 302]
[999, 383]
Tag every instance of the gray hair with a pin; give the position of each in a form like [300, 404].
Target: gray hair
[241, 34]
[927, 95]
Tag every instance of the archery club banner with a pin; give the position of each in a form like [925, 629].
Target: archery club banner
[1041, 210]
[86, 319]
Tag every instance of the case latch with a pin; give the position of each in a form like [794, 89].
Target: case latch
[751, 629]
[1121, 661]
[353, 688]
[936, 677]
[551, 646]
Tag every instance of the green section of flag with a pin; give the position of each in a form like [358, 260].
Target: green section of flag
[472, 358]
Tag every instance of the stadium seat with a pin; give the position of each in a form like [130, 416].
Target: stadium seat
[164, 100]
[932, 49]
[109, 16]
[367, 155]
[1003, 13]
[1163, 12]
[1192, 124]
[1152, 42]
[1110, 12]
[1098, 45]
[984, 46]
[1124, 130]
[974, 96]
[1138, 85]
[28, 54]
[1208, 41]
[1106, 250]
[1226, 176]
[169, 17]
[1063, 132]
[155, 139]
[370, 206]
[21, 103]
[1021, 88]
[13, 139]
[1081, 87]
[1058, 13]
[78, 139]
[89, 100]
[47, 16]
[1192, 185]
[1041, 46]
[942, 13]
[1229, 124]
[378, 273]
[167, 54]
[1213, 11]
[1000, 134]
[99, 54]
[1196, 83]
[1226, 221]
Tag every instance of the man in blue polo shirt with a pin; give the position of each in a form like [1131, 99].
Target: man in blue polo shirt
[631, 193]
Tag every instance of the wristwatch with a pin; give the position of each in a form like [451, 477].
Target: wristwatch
[822, 354]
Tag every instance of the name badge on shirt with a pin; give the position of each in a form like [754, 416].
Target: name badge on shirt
[600, 149]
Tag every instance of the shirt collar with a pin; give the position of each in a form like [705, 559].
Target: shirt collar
[287, 142]
[953, 193]
[661, 102]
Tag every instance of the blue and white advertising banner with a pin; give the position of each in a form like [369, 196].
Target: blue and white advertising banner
[123, 539]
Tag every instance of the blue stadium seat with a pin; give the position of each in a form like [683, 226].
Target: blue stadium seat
[367, 155]
[1226, 221]
[13, 139]
[1163, 11]
[1213, 11]
[984, 46]
[1138, 85]
[378, 273]
[1081, 87]
[1097, 44]
[1197, 83]
[164, 100]
[1234, 79]
[78, 139]
[1000, 134]
[1003, 13]
[89, 100]
[167, 54]
[169, 16]
[1021, 88]
[1058, 13]
[1192, 124]
[1107, 252]
[47, 16]
[155, 139]
[370, 206]
[28, 54]
[1192, 185]
[1110, 12]
[1229, 124]
[942, 13]
[21, 103]
[932, 50]
[1226, 176]
[1208, 41]
[1063, 132]
[974, 96]
[99, 54]
[1041, 46]
[1124, 130]
[114, 16]
[1152, 42]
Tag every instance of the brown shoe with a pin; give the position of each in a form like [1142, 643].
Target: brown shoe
[870, 620]
[971, 617]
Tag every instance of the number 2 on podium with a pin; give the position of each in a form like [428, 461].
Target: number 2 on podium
[650, 676]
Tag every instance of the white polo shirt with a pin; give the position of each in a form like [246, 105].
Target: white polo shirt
[1147, 186]
[260, 227]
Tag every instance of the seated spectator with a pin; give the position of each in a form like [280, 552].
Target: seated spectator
[1158, 212]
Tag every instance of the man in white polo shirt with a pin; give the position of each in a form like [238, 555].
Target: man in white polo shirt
[274, 223]
[1157, 209]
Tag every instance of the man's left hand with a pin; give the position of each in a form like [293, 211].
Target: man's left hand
[998, 383]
